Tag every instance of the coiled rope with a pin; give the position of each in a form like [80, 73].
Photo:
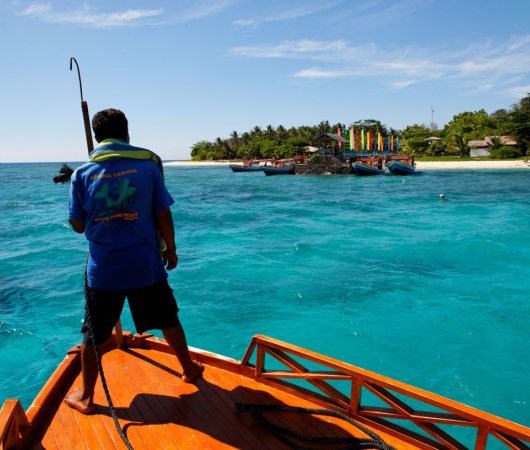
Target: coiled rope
[89, 301]
[351, 443]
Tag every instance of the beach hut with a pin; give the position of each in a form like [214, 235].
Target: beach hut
[483, 147]
[478, 148]
[327, 144]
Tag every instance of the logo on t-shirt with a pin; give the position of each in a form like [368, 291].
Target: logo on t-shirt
[118, 197]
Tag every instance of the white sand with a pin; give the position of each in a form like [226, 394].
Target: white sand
[441, 165]
[200, 163]
[420, 165]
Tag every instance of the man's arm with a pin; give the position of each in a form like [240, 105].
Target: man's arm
[164, 220]
[77, 225]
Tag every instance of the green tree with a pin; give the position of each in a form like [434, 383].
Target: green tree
[262, 147]
[413, 139]
[520, 123]
[468, 126]
[291, 147]
[201, 151]
[371, 125]
[460, 144]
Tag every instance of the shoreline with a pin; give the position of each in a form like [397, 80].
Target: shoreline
[420, 165]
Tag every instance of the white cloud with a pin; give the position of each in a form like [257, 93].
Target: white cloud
[88, 17]
[204, 9]
[85, 17]
[518, 91]
[305, 9]
[242, 23]
[302, 11]
[292, 49]
[316, 72]
[490, 67]
[401, 84]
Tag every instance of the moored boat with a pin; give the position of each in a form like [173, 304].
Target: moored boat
[368, 166]
[280, 167]
[401, 166]
[237, 168]
[275, 382]
[251, 165]
[285, 170]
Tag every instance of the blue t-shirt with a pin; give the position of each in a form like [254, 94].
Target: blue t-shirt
[116, 199]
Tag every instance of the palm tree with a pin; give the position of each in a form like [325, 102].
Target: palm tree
[234, 142]
[281, 133]
[495, 142]
[323, 127]
[461, 145]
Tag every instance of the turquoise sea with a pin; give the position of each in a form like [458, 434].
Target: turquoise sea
[377, 271]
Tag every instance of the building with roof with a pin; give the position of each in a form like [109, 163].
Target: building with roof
[483, 147]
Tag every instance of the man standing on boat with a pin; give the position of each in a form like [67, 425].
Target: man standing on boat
[119, 200]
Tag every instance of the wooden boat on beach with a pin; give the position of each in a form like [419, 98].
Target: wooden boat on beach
[249, 404]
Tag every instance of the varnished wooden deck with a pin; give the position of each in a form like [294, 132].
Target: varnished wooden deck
[159, 411]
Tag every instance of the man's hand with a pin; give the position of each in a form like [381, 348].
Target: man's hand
[170, 259]
[77, 225]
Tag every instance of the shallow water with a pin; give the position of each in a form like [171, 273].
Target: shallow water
[377, 271]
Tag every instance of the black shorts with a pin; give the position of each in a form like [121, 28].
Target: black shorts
[152, 307]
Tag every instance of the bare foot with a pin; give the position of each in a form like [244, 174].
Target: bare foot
[195, 374]
[76, 401]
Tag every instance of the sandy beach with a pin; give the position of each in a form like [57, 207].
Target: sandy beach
[420, 165]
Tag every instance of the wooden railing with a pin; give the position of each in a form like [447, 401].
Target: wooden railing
[13, 424]
[397, 397]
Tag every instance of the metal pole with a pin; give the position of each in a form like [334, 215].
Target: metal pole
[84, 110]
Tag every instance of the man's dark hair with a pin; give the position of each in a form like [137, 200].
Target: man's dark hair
[110, 124]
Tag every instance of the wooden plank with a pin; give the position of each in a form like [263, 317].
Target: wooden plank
[230, 389]
[149, 388]
[191, 402]
[131, 413]
[71, 430]
[55, 437]
[106, 440]
[211, 387]
[87, 434]
[223, 421]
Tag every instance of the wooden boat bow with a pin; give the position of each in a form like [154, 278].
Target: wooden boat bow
[158, 410]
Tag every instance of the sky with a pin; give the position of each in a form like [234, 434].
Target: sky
[186, 71]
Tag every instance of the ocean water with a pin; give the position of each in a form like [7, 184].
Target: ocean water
[377, 271]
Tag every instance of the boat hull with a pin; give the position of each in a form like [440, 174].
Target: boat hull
[289, 170]
[400, 168]
[236, 168]
[365, 170]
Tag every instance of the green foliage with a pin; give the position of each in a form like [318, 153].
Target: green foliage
[413, 139]
[520, 122]
[280, 142]
[471, 125]
[460, 145]
[505, 152]
[262, 147]
[375, 126]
